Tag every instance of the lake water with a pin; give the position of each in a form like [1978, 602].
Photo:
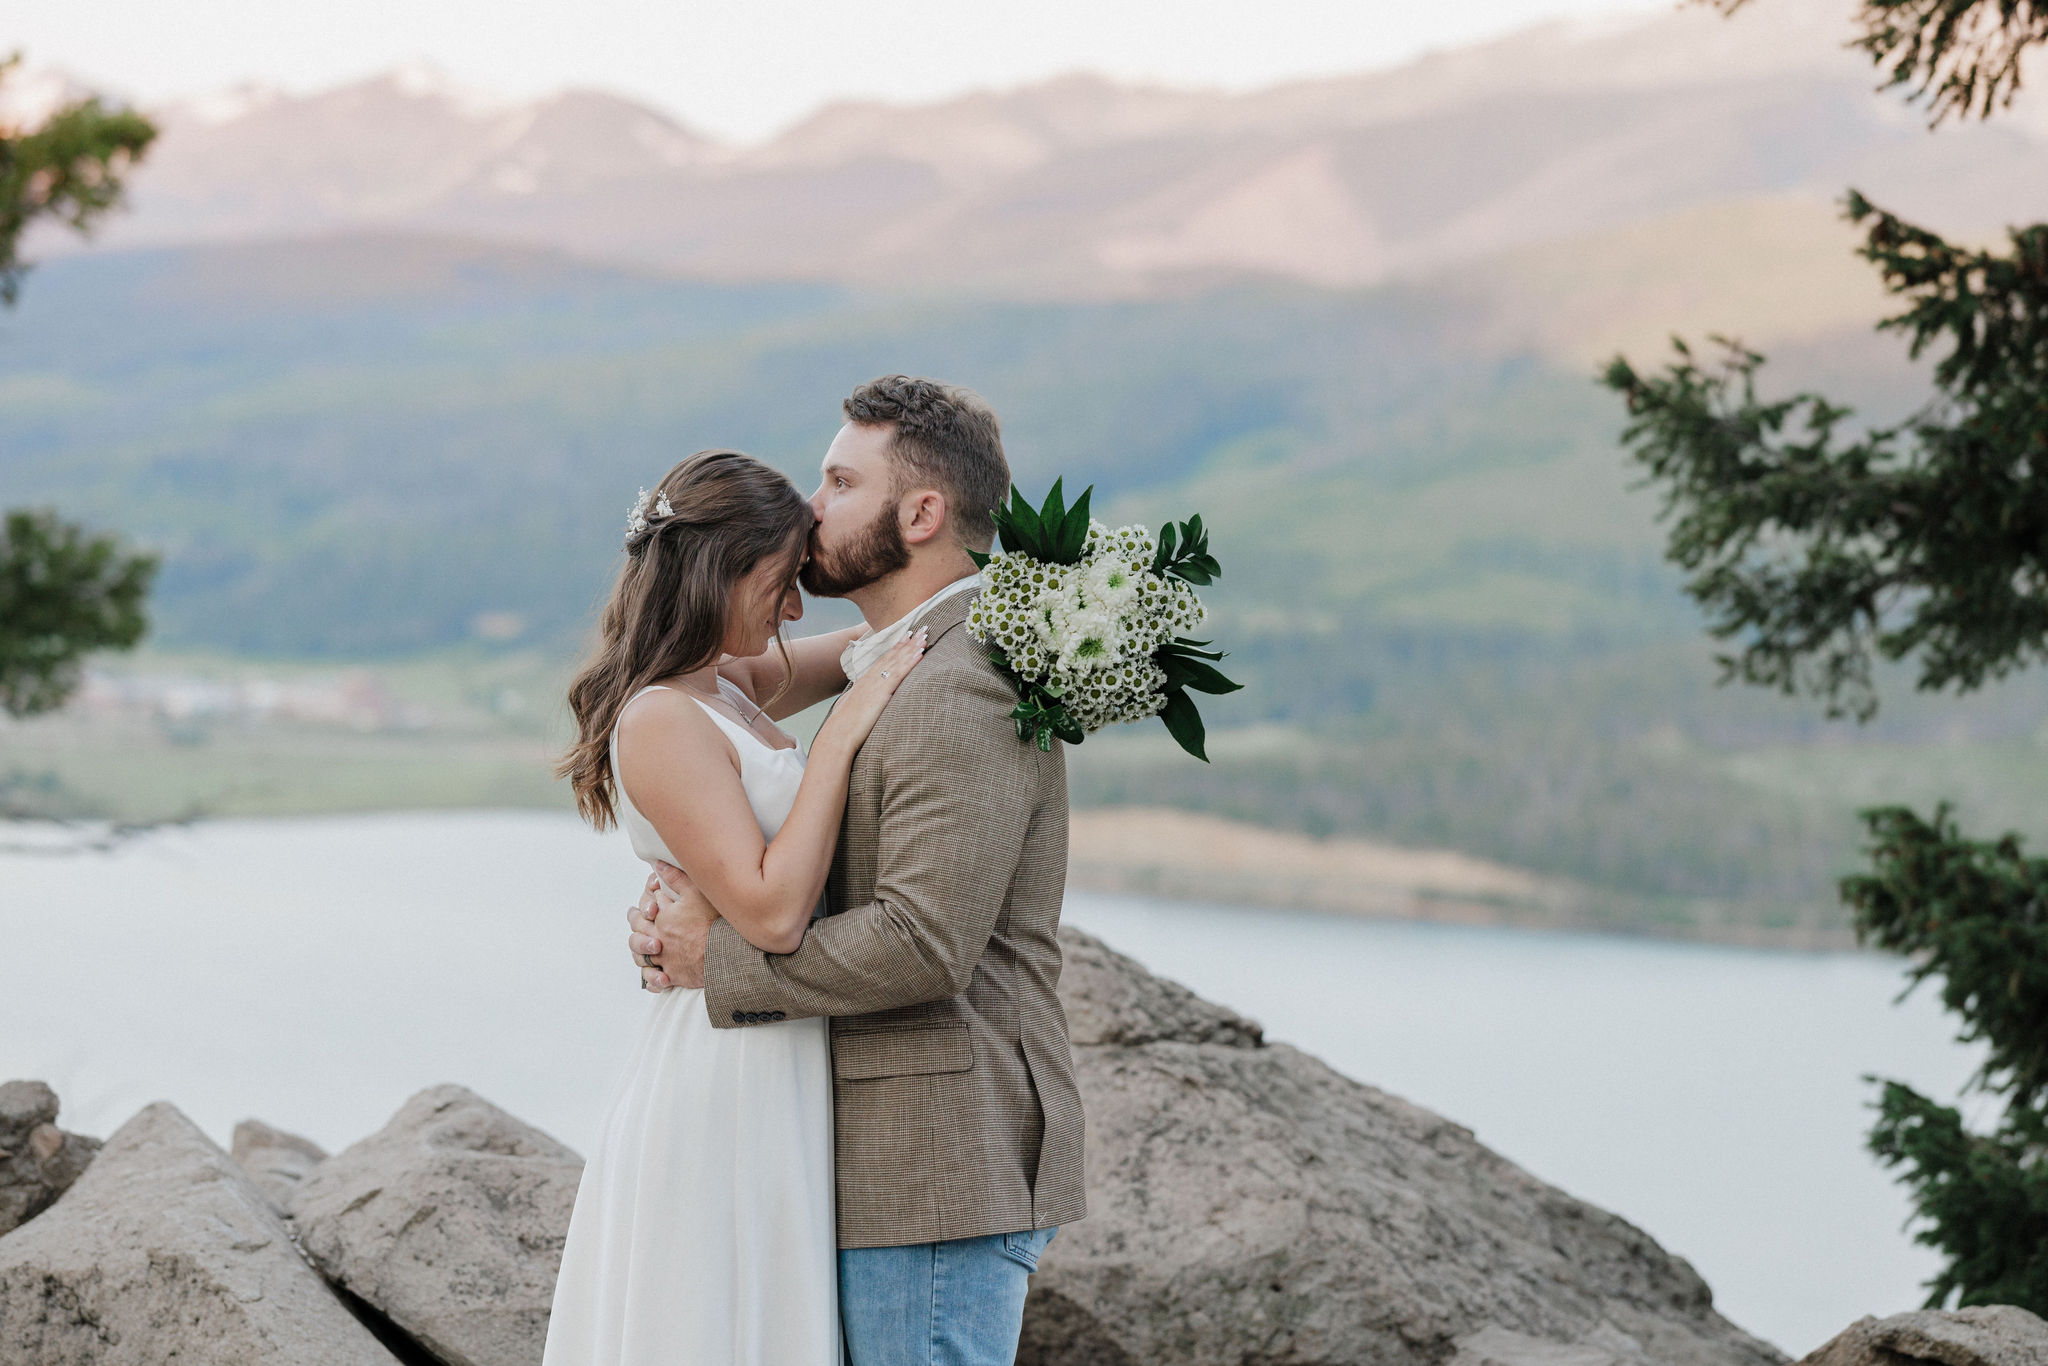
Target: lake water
[315, 973]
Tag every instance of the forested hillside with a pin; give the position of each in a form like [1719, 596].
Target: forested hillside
[1447, 600]
[360, 445]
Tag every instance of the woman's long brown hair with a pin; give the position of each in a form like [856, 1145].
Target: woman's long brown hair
[668, 611]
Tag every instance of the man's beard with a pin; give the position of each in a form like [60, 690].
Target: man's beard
[874, 552]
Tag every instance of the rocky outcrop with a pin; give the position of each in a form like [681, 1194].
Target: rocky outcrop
[1249, 1204]
[1993, 1335]
[278, 1162]
[38, 1161]
[1248, 1207]
[164, 1251]
[450, 1221]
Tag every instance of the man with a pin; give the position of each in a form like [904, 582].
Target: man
[958, 1123]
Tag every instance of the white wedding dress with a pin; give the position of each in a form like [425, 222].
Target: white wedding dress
[703, 1227]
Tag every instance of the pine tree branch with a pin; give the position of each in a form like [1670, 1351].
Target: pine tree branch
[1961, 58]
[63, 594]
[69, 169]
[1817, 554]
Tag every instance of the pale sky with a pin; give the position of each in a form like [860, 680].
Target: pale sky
[740, 69]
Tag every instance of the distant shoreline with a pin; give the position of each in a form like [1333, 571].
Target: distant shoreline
[1192, 856]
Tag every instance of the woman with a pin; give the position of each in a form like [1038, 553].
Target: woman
[703, 1225]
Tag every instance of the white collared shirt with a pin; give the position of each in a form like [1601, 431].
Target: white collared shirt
[858, 657]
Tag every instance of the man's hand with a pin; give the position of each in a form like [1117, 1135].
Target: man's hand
[669, 925]
[641, 939]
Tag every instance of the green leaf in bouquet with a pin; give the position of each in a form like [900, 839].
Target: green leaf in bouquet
[980, 560]
[1073, 538]
[1184, 723]
[1029, 728]
[1053, 516]
[1203, 677]
[1040, 714]
[1184, 553]
[1183, 661]
[1051, 533]
[1040, 718]
[1019, 526]
[1167, 543]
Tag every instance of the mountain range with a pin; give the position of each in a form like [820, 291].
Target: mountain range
[1083, 187]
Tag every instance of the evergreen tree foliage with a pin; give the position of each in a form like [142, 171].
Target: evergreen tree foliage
[69, 169]
[63, 593]
[1974, 917]
[1816, 548]
[1959, 57]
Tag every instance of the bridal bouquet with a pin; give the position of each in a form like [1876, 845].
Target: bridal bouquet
[1091, 623]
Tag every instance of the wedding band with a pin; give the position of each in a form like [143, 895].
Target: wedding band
[646, 961]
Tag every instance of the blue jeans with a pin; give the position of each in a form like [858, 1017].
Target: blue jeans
[958, 1303]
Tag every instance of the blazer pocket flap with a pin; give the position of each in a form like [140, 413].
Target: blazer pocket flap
[902, 1052]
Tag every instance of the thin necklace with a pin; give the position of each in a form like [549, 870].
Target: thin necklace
[720, 696]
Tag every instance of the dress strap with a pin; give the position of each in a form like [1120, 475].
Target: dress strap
[726, 723]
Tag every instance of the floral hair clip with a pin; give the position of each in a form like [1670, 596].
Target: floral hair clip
[637, 519]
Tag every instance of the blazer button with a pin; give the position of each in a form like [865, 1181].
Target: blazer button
[775, 1015]
[738, 1017]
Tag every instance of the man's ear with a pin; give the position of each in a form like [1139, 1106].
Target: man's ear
[923, 516]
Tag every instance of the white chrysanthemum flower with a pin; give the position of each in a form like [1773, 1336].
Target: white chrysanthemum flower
[1110, 584]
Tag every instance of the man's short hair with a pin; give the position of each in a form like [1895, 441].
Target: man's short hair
[947, 438]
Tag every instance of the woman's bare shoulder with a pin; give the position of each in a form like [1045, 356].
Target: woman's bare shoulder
[666, 713]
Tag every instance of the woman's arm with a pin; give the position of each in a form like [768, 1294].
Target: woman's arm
[684, 776]
[818, 675]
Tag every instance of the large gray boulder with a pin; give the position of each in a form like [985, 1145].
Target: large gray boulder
[277, 1161]
[1247, 1204]
[1990, 1335]
[165, 1252]
[450, 1221]
[38, 1161]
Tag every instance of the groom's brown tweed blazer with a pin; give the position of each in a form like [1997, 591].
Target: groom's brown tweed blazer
[956, 1110]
